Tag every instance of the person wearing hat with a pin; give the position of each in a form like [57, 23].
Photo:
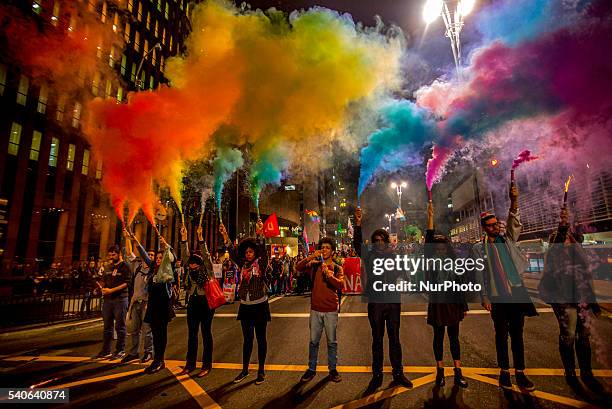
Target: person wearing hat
[384, 308]
[199, 315]
[503, 293]
[254, 311]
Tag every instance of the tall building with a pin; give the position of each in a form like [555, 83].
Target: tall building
[51, 205]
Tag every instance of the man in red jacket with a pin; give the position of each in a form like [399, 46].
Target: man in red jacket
[327, 278]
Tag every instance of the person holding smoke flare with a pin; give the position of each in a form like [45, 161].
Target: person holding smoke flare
[384, 308]
[160, 309]
[199, 315]
[254, 310]
[567, 284]
[327, 279]
[503, 293]
[444, 312]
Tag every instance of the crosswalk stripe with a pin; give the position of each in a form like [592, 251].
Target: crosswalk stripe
[195, 390]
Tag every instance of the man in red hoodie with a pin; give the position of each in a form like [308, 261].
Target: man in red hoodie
[327, 278]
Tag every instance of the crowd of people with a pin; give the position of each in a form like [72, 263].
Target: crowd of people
[141, 292]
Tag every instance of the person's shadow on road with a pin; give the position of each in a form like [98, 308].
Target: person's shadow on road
[298, 395]
[440, 401]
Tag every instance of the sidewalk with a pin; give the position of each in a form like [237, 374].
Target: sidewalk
[40, 328]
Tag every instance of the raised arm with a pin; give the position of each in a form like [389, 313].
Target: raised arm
[228, 244]
[357, 233]
[207, 265]
[513, 223]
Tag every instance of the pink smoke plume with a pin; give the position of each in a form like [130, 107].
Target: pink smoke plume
[524, 156]
[435, 165]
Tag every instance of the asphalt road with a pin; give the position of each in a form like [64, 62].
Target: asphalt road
[59, 357]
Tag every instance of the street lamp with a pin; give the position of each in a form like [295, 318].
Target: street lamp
[389, 218]
[453, 22]
[139, 82]
[398, 189]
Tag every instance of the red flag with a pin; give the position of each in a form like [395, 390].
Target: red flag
[271, 226]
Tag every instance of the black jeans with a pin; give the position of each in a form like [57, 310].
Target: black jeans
[259, 328]
[199, 317]
[380, 314]
[160, 339]
[509, 319]
[453, 338]
[574, 329]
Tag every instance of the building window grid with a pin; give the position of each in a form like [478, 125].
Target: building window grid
[85, 165]
[99, 170]
[14, 138]
[126, 32]
[41, 108]
[70, 159]
[35, 147]
[76, 114]
[109, 88]
[123, 64]
[2, 78]
[119, 94]
[53, 152]
[22, 91]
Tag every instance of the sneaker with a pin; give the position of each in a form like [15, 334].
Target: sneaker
[261, 378]
[102, 355]
[400, 379]
[308, 376]
[504, 379]
[155, 366]
[128, 358]
[334, 376]
[146, 358]
[119, 355]
[376, 381]
[440, 382]
[459, 379]
[523, 382]
[241, 376]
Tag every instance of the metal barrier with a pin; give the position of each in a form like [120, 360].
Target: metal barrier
[48, 308]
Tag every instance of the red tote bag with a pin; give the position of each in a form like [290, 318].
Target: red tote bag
[214, 294]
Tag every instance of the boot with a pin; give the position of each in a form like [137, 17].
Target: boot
[459, 379]
[440, 377]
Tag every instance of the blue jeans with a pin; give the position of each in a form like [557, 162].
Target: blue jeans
[113, 313]
[318, 321]
[137, 328]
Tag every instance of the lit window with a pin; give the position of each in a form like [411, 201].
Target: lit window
[119, 94]
[35, 149]
[95, 83]
[123, 64]
[126, 32]
[156, 28]
[151, 82]
[137, 41]
[116, 22]
[36, 7]
[76, 114]
[104, 10]
[133, 76]
[164, 35]
[111, 57]
[71, 153]
[140, 12]
[85, 166]
[61, 108]
[159, 5]
[99, 170]
[148, 20]
[53, 152]
[130, 5]
[167, 10]
[2, 78]
[42, 100]
[13, 146]
[91, 5]
[109, 88]
[142, 79]
[22, 91]
[170, 46]
[56, 13]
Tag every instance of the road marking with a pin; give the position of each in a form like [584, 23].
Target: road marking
[386, 394]
[538, 394]
[343, 300]
[275, 299]
[359, 314]
[97, 379]
[195, 390]
[604, 373]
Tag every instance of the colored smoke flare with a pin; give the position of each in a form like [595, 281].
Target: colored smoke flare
[429, 196]
[566, 188]
[494, 162]
[435, 165]
[524, 156]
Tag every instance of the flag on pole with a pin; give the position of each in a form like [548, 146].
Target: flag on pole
[271, 226]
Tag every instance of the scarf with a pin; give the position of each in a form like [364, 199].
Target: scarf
[502, 271]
